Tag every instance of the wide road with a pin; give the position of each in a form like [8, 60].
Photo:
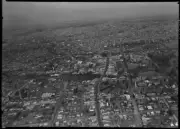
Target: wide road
[97, 90]
[137, 115]
[58, 102]
[169, 107]
[13, 93]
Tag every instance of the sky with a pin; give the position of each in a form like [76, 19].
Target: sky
[34, 13]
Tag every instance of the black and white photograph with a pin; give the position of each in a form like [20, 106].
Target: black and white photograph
[90, 64]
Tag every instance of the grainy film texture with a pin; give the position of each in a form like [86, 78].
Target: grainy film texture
[90, 64]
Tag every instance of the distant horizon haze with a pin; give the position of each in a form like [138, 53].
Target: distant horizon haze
[17, 14]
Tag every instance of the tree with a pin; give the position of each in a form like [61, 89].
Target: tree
[104, 54]
[120, 72]
[85, 110]
[170, 112]
[174, 98]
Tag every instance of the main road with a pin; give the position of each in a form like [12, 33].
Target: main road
[97, 90]
[62, 88]
[137, 115]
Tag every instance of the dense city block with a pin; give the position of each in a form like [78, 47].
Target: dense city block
[113, 74]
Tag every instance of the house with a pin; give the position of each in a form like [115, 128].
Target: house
[122, 78]
[176, 123]
[105, 79]
[97, 56]
[127, 96]
[145, 119]
[147, 81]
[102, 105]
[174, 107]
[149, 107]
[156, 82]
[106, 113]
[93, 118]
[153, 99]
[106, 117]
[174, 86]
[94, 124]
[151, 94]
[140, 101]
[106, 125]
[141, 108]
[141, 84]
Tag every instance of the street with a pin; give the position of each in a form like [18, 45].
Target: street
[59, 102]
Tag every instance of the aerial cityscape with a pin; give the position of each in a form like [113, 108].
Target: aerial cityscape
[115, 73]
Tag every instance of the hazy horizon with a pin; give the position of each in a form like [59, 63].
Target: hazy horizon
[34, 13]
